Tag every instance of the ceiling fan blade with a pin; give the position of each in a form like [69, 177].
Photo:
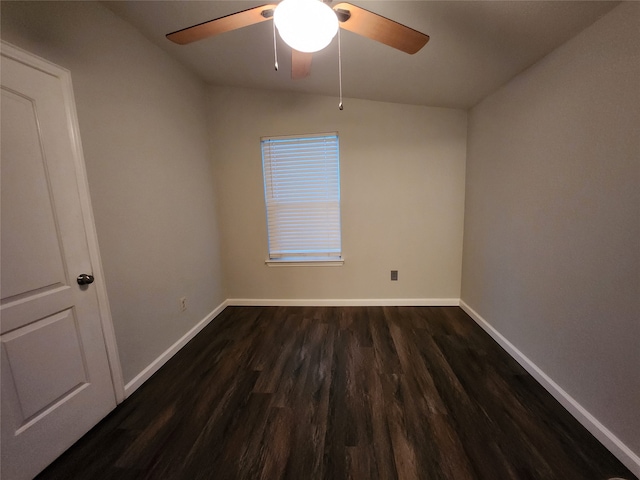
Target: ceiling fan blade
[222, 24]
[379, 28]
[300, 64]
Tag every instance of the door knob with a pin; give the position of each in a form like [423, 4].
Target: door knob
[85, 279]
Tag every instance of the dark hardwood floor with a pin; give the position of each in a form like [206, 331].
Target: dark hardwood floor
[339, 393]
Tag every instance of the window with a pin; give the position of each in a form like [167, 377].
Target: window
[302, 197]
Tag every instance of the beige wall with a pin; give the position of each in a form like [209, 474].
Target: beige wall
[143, 125]
[552, 222]
[402, 179]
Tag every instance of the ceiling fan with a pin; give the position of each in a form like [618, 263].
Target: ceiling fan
[308, 26]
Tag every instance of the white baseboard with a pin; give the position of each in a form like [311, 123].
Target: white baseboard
[630, 459]
[344, 302]
[154, 366]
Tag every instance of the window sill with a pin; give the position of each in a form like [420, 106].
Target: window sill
[307, 262]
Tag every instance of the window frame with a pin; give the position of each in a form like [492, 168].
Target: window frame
[332, 191]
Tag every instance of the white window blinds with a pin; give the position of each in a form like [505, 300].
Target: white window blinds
[302, 195]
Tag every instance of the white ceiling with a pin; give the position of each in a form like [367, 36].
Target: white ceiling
[475, 47]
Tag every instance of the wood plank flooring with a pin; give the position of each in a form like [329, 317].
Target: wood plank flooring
[339, 393]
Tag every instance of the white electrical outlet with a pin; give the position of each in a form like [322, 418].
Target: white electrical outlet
[183, 304]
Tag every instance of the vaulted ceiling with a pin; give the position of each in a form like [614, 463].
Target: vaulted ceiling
[475, 47]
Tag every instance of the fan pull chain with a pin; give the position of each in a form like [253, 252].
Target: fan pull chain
[340, 106]
[275, 49]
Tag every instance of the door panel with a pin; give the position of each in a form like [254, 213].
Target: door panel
[40, 380]
[56, 379]
[30, 246]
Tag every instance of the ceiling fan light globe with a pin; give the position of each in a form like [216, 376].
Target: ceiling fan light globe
[305, 25]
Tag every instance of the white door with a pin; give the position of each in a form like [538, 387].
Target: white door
[55, 373]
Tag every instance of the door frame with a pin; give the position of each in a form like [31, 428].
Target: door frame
[106, 321]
